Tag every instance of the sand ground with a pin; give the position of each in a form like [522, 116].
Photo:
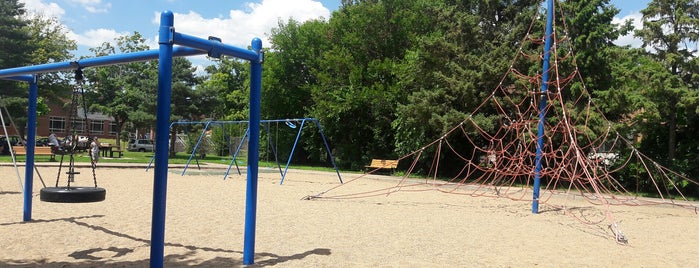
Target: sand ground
[205, 226]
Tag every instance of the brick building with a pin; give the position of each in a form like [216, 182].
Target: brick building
[58, 121]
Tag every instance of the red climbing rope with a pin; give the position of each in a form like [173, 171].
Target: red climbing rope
[582, 155]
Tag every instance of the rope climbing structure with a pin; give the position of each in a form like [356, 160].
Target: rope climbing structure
[539, 125]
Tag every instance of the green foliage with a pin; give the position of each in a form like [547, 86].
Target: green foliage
[227, 81]
[592, 32]
[126, 92]
[220, 142]
[667, 27]
[455, 66]
[14, 35]
[50, 38]
[26, 40]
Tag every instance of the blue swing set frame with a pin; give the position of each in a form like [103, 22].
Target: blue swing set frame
[186, 46]
[291, 123]
[189, 46]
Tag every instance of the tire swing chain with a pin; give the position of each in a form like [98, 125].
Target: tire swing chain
[80, 83]
[70, 194]
[71, 146]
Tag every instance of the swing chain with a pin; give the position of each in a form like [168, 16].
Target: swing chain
[72, 138]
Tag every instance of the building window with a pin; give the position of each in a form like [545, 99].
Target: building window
[78, 125]
[112, 128]
[96, 127]
[57, 124]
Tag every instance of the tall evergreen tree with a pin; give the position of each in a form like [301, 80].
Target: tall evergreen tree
[15, 48]
[456, 65]
[14, 52]
[590, 27]
[25, 40]
[668, 27]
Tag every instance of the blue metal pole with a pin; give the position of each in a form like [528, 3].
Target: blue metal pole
[97, 61]
[153, 158]
[194, 149]
[214, 47]
[235, 155]
[271, 145]
[31, 143]
[542, 106]
[161, 139]
[253, 153]
[327, 147]
[293, 148]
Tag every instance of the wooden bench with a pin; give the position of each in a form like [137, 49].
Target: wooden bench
[378, 164]
[21, 150]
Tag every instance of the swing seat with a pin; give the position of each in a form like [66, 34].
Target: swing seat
[72, 194]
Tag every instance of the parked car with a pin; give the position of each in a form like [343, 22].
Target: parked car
[140, 145]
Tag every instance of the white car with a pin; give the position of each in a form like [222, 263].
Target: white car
[140, 145]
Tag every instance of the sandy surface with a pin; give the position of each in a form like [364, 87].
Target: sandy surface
[205, 225]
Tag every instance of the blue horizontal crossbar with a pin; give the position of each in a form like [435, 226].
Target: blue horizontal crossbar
[214, 47]
[93, 62]
[241, 121]
[21, 78]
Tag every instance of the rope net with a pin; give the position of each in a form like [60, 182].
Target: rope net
[492, 152]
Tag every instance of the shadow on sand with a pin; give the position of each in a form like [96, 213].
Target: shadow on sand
[95, 257]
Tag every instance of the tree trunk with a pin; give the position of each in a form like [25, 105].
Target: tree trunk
[119, 127]
[173, 138]
[672, 134]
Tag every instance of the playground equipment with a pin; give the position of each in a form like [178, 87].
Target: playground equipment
[187, 46]
[193, 145]
[506, 147]
[291, 123]
[9, 146]
[69, 193]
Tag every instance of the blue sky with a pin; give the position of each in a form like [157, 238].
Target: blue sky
[91, 22]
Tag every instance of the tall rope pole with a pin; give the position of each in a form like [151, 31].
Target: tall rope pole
[542, 106]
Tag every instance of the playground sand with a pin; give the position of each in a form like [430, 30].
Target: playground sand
[205, 226]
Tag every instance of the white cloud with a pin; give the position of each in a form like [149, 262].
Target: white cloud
[629, 39]
[47, 9]
[95, 37]
[91, 38]
[94, 6]
[241, 26]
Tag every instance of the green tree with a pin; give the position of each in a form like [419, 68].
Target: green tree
[456, 65]
[31, 39]
[224, 94]
[357, 92]
[592, 33]
[52, 44]
[228, 80]
[187, 102]
[15, 50]
[293, 66]
[126, 92]
[668, 26]
[50, 38]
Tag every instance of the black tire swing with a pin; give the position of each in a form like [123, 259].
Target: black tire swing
[69, 193]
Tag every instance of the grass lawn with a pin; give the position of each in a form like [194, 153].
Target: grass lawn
[145, 157]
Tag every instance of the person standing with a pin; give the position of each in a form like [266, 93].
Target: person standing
[95, 151]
